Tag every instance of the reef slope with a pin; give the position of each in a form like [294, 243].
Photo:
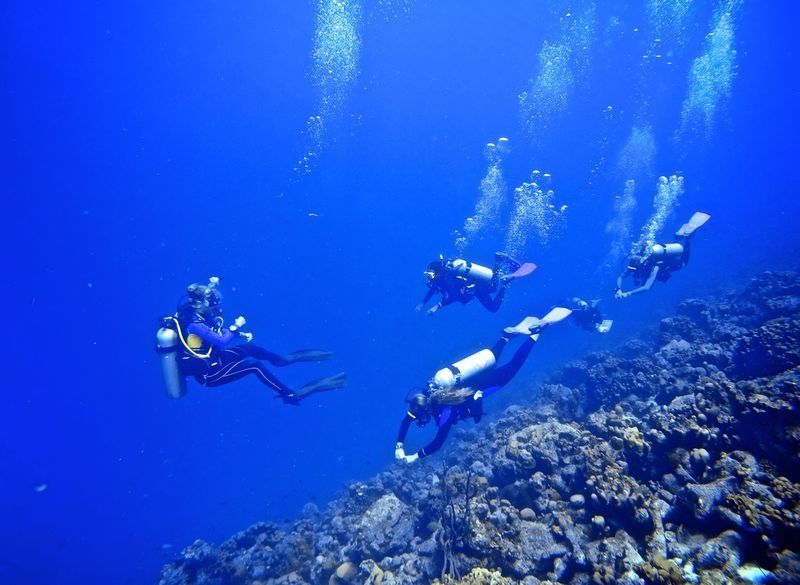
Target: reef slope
[673, 459]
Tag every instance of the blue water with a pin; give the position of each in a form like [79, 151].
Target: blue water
[149, 146]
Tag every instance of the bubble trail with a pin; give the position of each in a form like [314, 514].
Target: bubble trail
[491, 199]
[535, 213]
[562, 63]
[337, 47]
[712, 73]
[619, 228]
[668, 191]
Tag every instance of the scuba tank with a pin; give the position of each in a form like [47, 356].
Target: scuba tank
[472, 272]
[464, 369]
[666, 250]
[168, 347]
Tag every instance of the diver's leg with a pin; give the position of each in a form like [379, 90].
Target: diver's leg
[264, 354]
[231, 371]
[301, 355]
[492, 304]
[502, 375]
[499, 346]
[687, 244]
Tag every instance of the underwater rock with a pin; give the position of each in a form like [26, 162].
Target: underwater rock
[670, 460]
[386, 527]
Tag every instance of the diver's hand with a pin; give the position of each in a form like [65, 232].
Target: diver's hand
[411, 458]
[248, 337]
[618, 294]
[478, 395]
[419, 307]
[240, 321]
[398, 452]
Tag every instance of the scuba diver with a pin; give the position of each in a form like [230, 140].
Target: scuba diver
[659, 261]
[460, 281]
[456, 392]
[195, 342]
[587, 315]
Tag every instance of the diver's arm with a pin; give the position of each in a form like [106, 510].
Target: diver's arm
[647, 285]
[404, 425]
[206, 333]
[428, 296]
[620, 280]
[447, 299]
[438, 440]
[399, 453]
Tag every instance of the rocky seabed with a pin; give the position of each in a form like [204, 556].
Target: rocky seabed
[673, 459]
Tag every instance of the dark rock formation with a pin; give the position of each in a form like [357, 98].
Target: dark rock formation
[674, 460]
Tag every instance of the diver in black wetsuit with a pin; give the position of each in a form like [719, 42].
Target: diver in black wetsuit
[208, 351]
[461, 281]
[587, 315]
[660, 261]
[456, 393]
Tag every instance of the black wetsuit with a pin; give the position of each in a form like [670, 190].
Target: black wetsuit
[227, 363]
[454, 288]
[641, 271]
[585, 314]
[489, 381]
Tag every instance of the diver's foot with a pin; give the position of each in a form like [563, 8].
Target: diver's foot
[289, 399]
[308, 355]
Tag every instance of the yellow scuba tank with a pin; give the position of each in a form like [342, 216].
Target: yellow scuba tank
[472, 272]
[168, 348]
[464, 369]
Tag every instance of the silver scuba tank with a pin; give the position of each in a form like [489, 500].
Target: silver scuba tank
[667, 250]
[472, 272]
[167, 346]
[464, 369]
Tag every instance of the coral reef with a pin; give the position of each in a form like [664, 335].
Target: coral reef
[672, 460]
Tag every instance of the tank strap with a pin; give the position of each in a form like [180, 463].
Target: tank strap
[186, 345]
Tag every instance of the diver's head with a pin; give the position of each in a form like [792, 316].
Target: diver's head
[419, 407]
[196, 292]
[636, 260]
[437, 265]
[213, 298]
[579, 304]
[205, 300]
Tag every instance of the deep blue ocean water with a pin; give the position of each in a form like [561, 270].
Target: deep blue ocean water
[151, 145]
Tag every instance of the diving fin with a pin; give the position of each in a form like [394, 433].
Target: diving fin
[322, 385]
[309, 355]
[555, 315]
[604, 326]
[523, 327]
[533, 324]
[698, 220]
[523, 270]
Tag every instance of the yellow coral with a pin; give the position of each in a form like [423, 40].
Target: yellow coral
[480, 576]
